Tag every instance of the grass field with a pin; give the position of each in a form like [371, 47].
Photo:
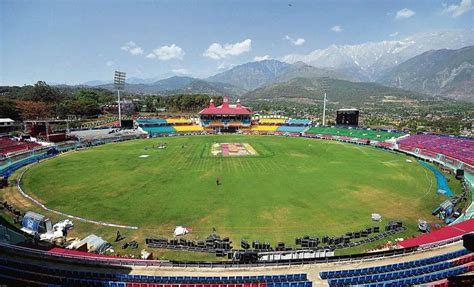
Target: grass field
[294, 187]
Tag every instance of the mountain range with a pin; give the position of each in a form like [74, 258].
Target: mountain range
[254, 75]
[234, 82]
[370, 60]
[441, 72]
[421, 63]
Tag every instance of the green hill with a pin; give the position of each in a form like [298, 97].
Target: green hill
[304, 89]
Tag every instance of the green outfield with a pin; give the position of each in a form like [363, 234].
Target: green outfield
[292, 187]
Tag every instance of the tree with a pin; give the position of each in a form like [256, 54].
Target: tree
[44, 93]
[34, 110]
[8, 109]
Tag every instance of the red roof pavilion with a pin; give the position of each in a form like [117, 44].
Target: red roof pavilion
[226, 109]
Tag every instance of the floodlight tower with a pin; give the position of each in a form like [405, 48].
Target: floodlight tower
[119, 82]
[324, 89]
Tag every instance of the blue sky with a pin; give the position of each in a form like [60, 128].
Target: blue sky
[76, 41]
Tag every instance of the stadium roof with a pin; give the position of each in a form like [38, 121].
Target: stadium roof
[226, 109]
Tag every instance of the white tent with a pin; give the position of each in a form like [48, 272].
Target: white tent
[376, 217]
[180, 230]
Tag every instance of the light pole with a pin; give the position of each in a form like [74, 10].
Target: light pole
[324, 88]
[324, 110]
[119, 82]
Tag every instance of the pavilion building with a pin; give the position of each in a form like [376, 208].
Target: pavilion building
[226, 117]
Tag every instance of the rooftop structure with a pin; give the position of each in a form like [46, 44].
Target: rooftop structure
[225, 117]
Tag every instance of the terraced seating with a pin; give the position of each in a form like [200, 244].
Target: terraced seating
[302, 122]
[416, 272]
[272, 121]
[264, 128]
[188, 128]
[394, 267]
[14, 271]
[8, 145]
[291, 129]
[455, 147]
[160, 130]
[178, 121]
[354, 133]
[151, 121]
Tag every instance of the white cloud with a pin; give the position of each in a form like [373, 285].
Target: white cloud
[404, 13]
[394, 34]
[296, 42]
[457, 10]
[109, 63]
[217, 51]
[132, 48]
[181, 71]
[136, 51]
[337, 29]
[166, 53]
[262, 58]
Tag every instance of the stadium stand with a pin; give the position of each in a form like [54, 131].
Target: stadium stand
[291, 129]
[264, 128]
[12, 270]
[188, 128]
[8, 146]
[174, 121]
[10, 167]
[430, 145]
[445, 233]
[377, 135]
[302, 122]
[272, 121]
[143, 121]
[419, 271]
[107, 134]
[159, 130]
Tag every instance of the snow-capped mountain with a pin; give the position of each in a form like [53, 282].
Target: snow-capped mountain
[369, 60]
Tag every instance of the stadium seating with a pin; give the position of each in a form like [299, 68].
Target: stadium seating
[302, 122]
[12, 270]
[188, 128]
[291, 129]
[11, 168]
[172, 121]
[151, 121]
[272, 121]
[354, 133]
[264, 128]
[8, 145]
[406, 273]
[160, 130]
[455, 147]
